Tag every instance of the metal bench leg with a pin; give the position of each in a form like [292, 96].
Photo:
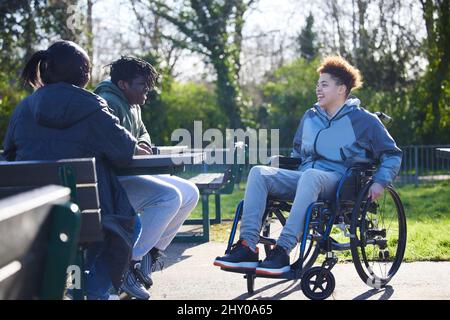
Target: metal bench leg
[205, 211]
[218, 218]
[61, 249]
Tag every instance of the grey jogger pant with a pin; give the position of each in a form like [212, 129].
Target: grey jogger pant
[164, 202]
[303, 187]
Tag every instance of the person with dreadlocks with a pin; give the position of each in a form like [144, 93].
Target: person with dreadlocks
[163, 202]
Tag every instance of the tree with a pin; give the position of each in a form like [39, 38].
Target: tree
[25, 25]
[436, 14]
[212, 28]
[307, 40]
[287, 93]
[178, 105]
[150, 31]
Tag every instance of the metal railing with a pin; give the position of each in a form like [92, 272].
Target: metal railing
[420, 164]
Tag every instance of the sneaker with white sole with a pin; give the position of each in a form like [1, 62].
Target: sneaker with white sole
[275, 264]
[240, 257]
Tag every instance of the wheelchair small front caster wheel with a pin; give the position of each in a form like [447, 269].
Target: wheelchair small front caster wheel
[318, 283]
[250, 283]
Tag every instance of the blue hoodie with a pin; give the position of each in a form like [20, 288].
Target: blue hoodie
[61, 121]
[352, 134]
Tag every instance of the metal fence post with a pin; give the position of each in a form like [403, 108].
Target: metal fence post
[416, 165]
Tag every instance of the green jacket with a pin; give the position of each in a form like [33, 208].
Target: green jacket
[129, 115]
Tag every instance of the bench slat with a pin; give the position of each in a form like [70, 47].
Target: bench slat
[41, 173]
[87, 198]
[91, 227]
[17, 177]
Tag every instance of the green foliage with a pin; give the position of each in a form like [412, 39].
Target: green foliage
[213, 29]
[10, 96]
[290, 90]
[419, 102]
[175, 105]
[287, 94]
[24, 26]
[178, 106]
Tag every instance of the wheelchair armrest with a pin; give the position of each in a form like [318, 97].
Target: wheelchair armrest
[285, 162]
[360, 164]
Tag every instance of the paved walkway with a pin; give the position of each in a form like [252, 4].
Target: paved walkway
[190, 274]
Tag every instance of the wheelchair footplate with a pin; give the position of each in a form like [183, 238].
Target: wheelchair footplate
[290, 275]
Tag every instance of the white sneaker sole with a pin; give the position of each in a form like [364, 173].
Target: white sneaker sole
[272, 272]
[236, 265]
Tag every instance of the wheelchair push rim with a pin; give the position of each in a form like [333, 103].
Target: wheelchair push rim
[378, 240]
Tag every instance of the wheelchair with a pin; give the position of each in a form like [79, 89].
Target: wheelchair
[374, 232]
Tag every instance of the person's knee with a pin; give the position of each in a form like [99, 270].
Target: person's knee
[191, 195]
[258, 172]
[172, 198]
[194, 192]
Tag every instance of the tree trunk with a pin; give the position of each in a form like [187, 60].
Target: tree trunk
[227, 92]
[90, 33]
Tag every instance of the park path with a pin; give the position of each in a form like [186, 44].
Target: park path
[189, 274]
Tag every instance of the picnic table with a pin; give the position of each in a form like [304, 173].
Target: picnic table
[160, 164]
[212, 174]
[169, 149]
[169, 163]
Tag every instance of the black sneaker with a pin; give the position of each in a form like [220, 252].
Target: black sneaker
[240, 257]
[132, 285]
[149, 264]
[275, 264]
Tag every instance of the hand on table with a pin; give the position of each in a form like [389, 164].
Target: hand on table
[143, 150]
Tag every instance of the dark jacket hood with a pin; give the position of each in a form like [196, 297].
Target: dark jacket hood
[61, 105]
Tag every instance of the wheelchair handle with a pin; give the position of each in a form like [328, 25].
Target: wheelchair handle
[384, 117]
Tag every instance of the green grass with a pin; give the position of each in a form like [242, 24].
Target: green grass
[427, 210]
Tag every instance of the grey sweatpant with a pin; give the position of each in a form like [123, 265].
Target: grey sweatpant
[164, 202]
[303, 187]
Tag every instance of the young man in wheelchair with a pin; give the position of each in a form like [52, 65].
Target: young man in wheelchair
[335, 131]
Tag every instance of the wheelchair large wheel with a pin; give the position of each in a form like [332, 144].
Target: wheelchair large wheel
[379, 242]
[272, 226]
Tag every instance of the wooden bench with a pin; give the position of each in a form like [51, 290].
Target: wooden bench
[79, 175]
[38, 240]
